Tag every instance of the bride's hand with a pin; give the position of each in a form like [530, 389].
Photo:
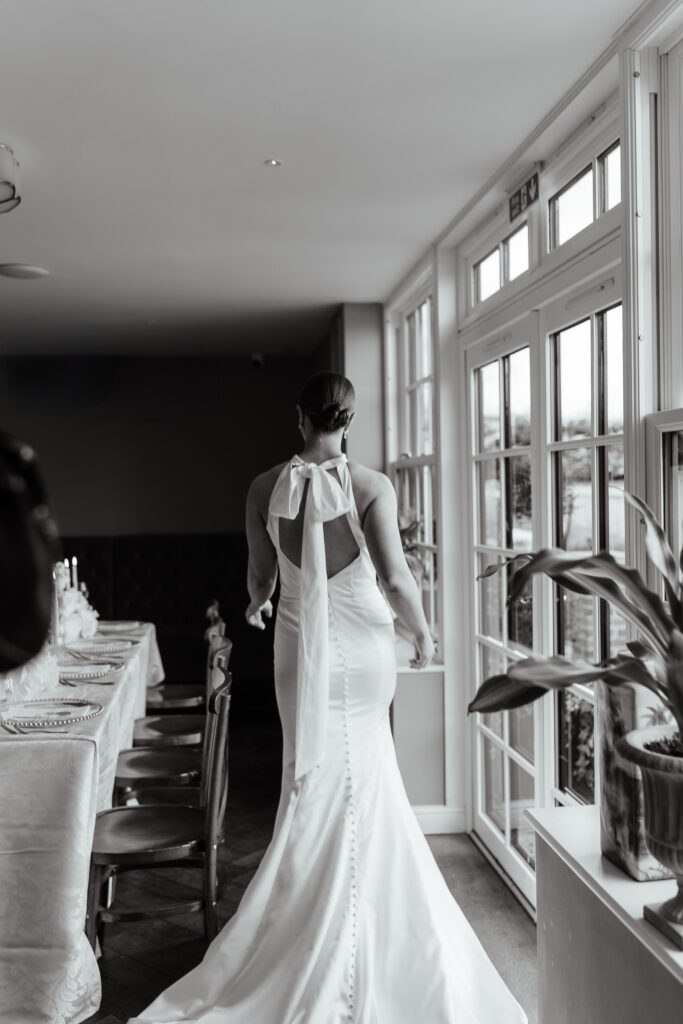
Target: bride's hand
[425, 649]
[255, 613]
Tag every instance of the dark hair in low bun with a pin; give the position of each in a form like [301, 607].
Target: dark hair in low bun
[327, 399]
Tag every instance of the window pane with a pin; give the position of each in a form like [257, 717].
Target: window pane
[489, 407]
[490, 505]
[618, 633]
[519, 397]
[614, 370]
[424, 444]
[521, 725]
[575, 728]
[412, 421]
[411, 327]
[409, 490]
[488, 275]
[575, 491]
[616, 520]
[424, 355]
[574, 364]
[490, 606]
[494, 783]
[518, 253]
[519, 481]
[492, 664]
[520, 618]
[573, 208]
[611, 169]
[522, 835]
[576, 626]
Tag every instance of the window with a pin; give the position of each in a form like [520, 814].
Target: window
[590, 193]
[503, 502]
[587, 473]
[413, 466]
[503, 264]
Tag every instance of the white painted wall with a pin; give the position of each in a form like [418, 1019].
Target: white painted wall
[362, 327]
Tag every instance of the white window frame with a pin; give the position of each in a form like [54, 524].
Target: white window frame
[593, 138]
[581, 276]
[604, 291]
[520, 335]
[396, 342]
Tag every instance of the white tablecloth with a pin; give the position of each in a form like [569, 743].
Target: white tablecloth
[51, 786]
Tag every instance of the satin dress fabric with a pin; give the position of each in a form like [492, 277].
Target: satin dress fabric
[348, 919]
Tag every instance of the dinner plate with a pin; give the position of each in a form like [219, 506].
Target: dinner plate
[49, 711]
[84, 672]
[115, 626]
[103, 646]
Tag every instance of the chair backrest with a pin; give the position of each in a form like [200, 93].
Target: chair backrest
[212, 612]
[216, 641]
[217, 667]
[215, 776]
[216, 628]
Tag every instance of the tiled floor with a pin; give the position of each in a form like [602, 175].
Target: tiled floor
[141, 959]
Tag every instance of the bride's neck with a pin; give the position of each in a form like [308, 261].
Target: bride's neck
[321, 447]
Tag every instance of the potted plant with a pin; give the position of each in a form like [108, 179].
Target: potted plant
[655, 660]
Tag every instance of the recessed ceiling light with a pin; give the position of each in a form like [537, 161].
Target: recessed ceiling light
[23, 270]
[272, 162]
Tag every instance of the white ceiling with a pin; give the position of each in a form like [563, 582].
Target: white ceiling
[141, 127]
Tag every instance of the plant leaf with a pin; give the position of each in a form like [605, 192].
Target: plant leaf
[555, 672]
[604, 576]
[674, 676]
[495, 567]
[501, 693]
[639, 649]
[674, 604]
[656, 543]
[530, 678]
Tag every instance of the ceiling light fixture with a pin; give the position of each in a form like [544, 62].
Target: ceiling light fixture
[8, 179]
[25, 271]
[272, 162]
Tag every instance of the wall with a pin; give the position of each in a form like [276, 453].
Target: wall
[152, 444]
[362, 327]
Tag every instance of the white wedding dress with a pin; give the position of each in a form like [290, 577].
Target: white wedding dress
[348, 918]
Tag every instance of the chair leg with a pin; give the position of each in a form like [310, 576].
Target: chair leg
[91, 917]
[210, 896]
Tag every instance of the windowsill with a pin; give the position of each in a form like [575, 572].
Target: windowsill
[573, 833]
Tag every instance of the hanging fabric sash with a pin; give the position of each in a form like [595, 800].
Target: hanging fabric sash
[325, 500]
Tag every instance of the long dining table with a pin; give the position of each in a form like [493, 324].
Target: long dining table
[52, 784]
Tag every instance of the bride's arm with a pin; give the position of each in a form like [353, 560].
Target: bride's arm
[262, 567]
[380, 526]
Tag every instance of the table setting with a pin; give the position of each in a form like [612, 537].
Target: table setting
[64, 717]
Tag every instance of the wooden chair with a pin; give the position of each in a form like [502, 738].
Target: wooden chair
[166, 698]
[178, 730]
[213, 612]
[161, 835]
[165, 766]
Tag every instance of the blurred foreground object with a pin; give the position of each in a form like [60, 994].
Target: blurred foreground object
[29, 545]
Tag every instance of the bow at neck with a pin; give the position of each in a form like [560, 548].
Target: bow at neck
[326, 499]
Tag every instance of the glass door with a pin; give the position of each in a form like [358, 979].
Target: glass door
[506, 754]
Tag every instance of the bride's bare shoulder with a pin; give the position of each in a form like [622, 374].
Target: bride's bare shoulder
[368, 484]
[261, 487]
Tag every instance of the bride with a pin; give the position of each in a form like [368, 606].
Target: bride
[348, 918]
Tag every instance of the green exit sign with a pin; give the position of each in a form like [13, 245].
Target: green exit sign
[524, 196]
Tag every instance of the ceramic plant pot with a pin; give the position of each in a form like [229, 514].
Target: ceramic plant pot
[662, 776]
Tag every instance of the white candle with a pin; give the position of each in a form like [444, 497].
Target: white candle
[74, 573]
[55, 611]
